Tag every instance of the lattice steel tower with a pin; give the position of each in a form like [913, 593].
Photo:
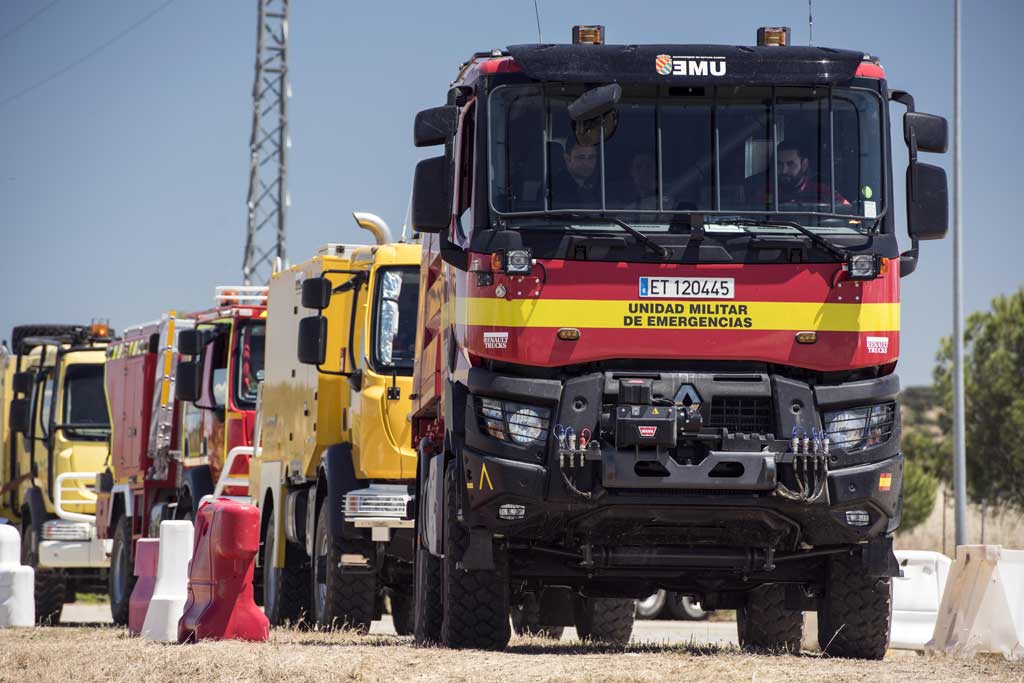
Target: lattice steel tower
[268, 145]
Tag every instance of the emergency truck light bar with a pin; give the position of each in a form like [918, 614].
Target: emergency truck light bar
[243, 295]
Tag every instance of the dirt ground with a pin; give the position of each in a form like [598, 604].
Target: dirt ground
[93, 653]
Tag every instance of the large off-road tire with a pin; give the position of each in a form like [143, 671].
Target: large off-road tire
[121, 577]
[50, 584]
[855, 615]
[604, 620]
[428, 611]
[476, 603]
[684, 607]
[402, 612]
[285, 589]
[764, 624]
[651, 606]
[343, 597]
[526, 620]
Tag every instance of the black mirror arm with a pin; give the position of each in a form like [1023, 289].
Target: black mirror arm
[908, 260]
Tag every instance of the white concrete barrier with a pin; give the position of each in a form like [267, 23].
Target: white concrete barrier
[17, 583]
[916, 597]
[171, 589]
[982, 608]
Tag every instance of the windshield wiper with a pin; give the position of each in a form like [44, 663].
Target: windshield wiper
[817, 239]
[661, 251]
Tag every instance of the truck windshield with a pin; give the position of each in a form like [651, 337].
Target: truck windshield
[395, 319]
[811, 155]
[84, 414]
[250, 351]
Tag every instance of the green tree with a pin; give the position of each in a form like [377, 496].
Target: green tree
[919, 489]
[994, 393]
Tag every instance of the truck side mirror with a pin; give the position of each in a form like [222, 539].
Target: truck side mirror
[22, 383]
[316, 293]
[927, 202]
[435, 126]
[188, 380]
[190, 342]
[432, 195]
[20, 415]
[312, 346]
[929, 132]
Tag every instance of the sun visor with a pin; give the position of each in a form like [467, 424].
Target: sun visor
[687, 64]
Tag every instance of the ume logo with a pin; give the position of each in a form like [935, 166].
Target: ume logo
[689, 65]
[647, 431]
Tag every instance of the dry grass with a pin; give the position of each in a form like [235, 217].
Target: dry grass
[995, 526]
[90, 653]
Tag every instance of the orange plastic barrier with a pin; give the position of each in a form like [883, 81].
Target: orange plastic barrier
[147, 551]
[220, 599]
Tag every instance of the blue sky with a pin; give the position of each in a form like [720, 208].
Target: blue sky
[123, 181]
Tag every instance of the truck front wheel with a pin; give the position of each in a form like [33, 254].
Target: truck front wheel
[765, 624]
[343, 596]
[475, 602]
[855, 615]
[50, 584]
[427, 608]
[122, 578]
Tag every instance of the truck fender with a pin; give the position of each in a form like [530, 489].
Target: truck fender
[36, 509]
[339, 474]
[198, 482]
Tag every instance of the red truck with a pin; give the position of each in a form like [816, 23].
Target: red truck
[178, 423]
[660, 327]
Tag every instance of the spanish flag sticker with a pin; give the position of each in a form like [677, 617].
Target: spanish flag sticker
[885, 481]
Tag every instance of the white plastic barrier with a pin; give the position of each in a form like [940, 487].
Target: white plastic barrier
[171, 589]
[17, 583]
[916, 597]
[982, 607]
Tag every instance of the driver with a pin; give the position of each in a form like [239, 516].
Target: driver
[579, 186]
[796, 186]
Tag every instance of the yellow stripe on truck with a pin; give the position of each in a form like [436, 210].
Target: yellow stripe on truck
[751, 315]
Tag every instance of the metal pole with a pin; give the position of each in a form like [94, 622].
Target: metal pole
[959, 441]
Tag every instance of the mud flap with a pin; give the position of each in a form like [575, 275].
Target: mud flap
[878, 559]
[479, 556]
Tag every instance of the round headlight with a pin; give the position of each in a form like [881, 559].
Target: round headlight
[525, 425]
[846, 428]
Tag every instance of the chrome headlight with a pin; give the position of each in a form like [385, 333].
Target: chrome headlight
[518, 422]
[854, 429]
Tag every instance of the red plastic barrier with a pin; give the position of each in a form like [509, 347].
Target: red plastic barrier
[220, 600]
[147, 552]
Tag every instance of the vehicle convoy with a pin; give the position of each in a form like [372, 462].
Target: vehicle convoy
[336, 467]
[177, 424]
[55, 429]
[659, 330]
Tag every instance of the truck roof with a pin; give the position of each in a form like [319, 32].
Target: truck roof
[733, 65]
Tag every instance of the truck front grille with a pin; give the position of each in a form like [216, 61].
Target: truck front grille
[745, 415]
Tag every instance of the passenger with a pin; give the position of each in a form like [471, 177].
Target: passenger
[579, 187]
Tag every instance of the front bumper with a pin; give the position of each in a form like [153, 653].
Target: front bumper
[92, 554]
[856, 498]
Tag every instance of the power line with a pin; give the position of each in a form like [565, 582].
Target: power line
[536, 11]
[89, 55]
[35, 14]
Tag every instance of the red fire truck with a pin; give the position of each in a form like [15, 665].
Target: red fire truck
[178, 424]
[660, 323]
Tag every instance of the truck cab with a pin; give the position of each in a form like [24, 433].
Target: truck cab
[660, 329]
[336, 464]
[57, 442]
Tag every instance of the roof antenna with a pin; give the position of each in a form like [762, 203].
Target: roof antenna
[810, 23]
[536, 11]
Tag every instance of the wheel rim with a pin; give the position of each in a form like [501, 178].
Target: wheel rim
[648, 603]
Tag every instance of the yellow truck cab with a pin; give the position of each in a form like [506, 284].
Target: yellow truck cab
[334, 476]
[56, 434]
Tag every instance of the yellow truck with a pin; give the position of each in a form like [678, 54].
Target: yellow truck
[55, 433]
[334, 477]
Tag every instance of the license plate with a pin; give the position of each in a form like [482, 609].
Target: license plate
[687, 287]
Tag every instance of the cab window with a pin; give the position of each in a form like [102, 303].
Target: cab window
[394, 323]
